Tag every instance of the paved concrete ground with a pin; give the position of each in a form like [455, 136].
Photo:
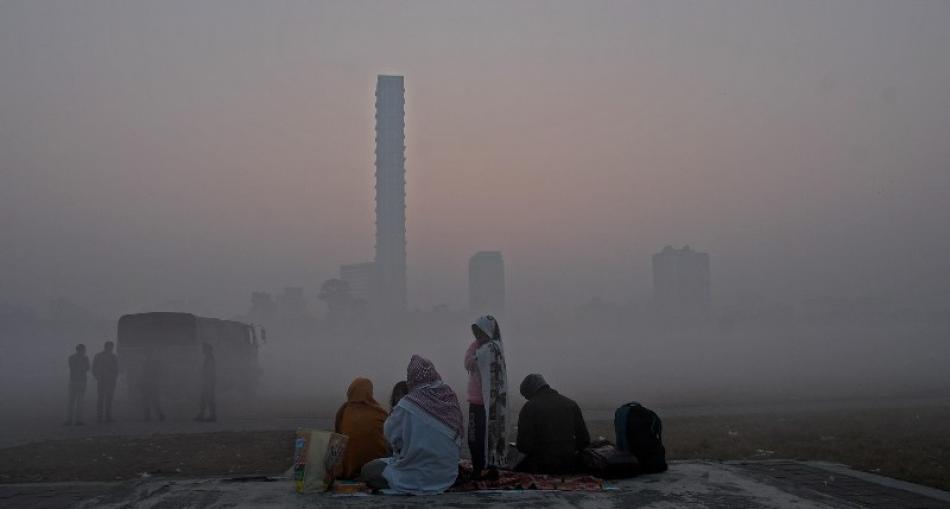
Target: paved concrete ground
[773, 484]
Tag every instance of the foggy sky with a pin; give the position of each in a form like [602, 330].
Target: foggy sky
[170, 150]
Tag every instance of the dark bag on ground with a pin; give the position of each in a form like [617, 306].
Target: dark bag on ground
[640, 432]
[603, 460]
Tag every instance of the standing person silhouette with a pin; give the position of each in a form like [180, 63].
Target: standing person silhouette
[78, 367]
[105, 369]
[208, 382]
[153, 374]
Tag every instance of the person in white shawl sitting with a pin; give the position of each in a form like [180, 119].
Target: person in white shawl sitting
[487, 398]
[425, 433]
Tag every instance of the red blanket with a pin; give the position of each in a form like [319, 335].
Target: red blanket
[509, 480]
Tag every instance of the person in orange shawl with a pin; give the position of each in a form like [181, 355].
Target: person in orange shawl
[361, 420]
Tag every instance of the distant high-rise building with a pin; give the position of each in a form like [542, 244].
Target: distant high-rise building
[359, 276]
[263, 307]
[486, 283]
[292, 302]
[390, 271]
[681, 283]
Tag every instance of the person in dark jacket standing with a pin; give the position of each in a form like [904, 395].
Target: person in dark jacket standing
[551, 430]
[105, 369]
[78, 367]
[208, 379]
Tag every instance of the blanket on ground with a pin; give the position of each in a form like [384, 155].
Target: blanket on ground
[510, 480]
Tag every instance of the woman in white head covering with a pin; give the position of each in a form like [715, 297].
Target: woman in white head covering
[487, 397]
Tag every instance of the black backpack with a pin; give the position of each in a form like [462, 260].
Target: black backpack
[640, 432]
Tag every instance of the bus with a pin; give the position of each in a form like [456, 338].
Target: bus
[175, 340]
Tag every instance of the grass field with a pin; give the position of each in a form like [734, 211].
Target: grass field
[910, 444]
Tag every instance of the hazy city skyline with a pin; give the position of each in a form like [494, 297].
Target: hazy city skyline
[160, 151]
[232, 171]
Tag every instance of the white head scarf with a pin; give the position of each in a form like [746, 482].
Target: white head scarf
[489, 326]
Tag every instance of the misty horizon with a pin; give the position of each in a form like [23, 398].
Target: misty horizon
[718, 231]
[155, 153]
[732, 207]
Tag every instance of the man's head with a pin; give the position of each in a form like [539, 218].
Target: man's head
[532, 384]
[81, 349]
[207, 348]
[110, 346]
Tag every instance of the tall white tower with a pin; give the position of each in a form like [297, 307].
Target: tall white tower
[486, 283]
[390, 268]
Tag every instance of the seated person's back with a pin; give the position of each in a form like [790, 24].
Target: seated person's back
[425, 452]
[425, 433]
[551, 429]
[361, 420]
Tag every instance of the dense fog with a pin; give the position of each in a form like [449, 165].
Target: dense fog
[178, 156]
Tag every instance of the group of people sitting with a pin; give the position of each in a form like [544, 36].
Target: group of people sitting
[416, 446]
